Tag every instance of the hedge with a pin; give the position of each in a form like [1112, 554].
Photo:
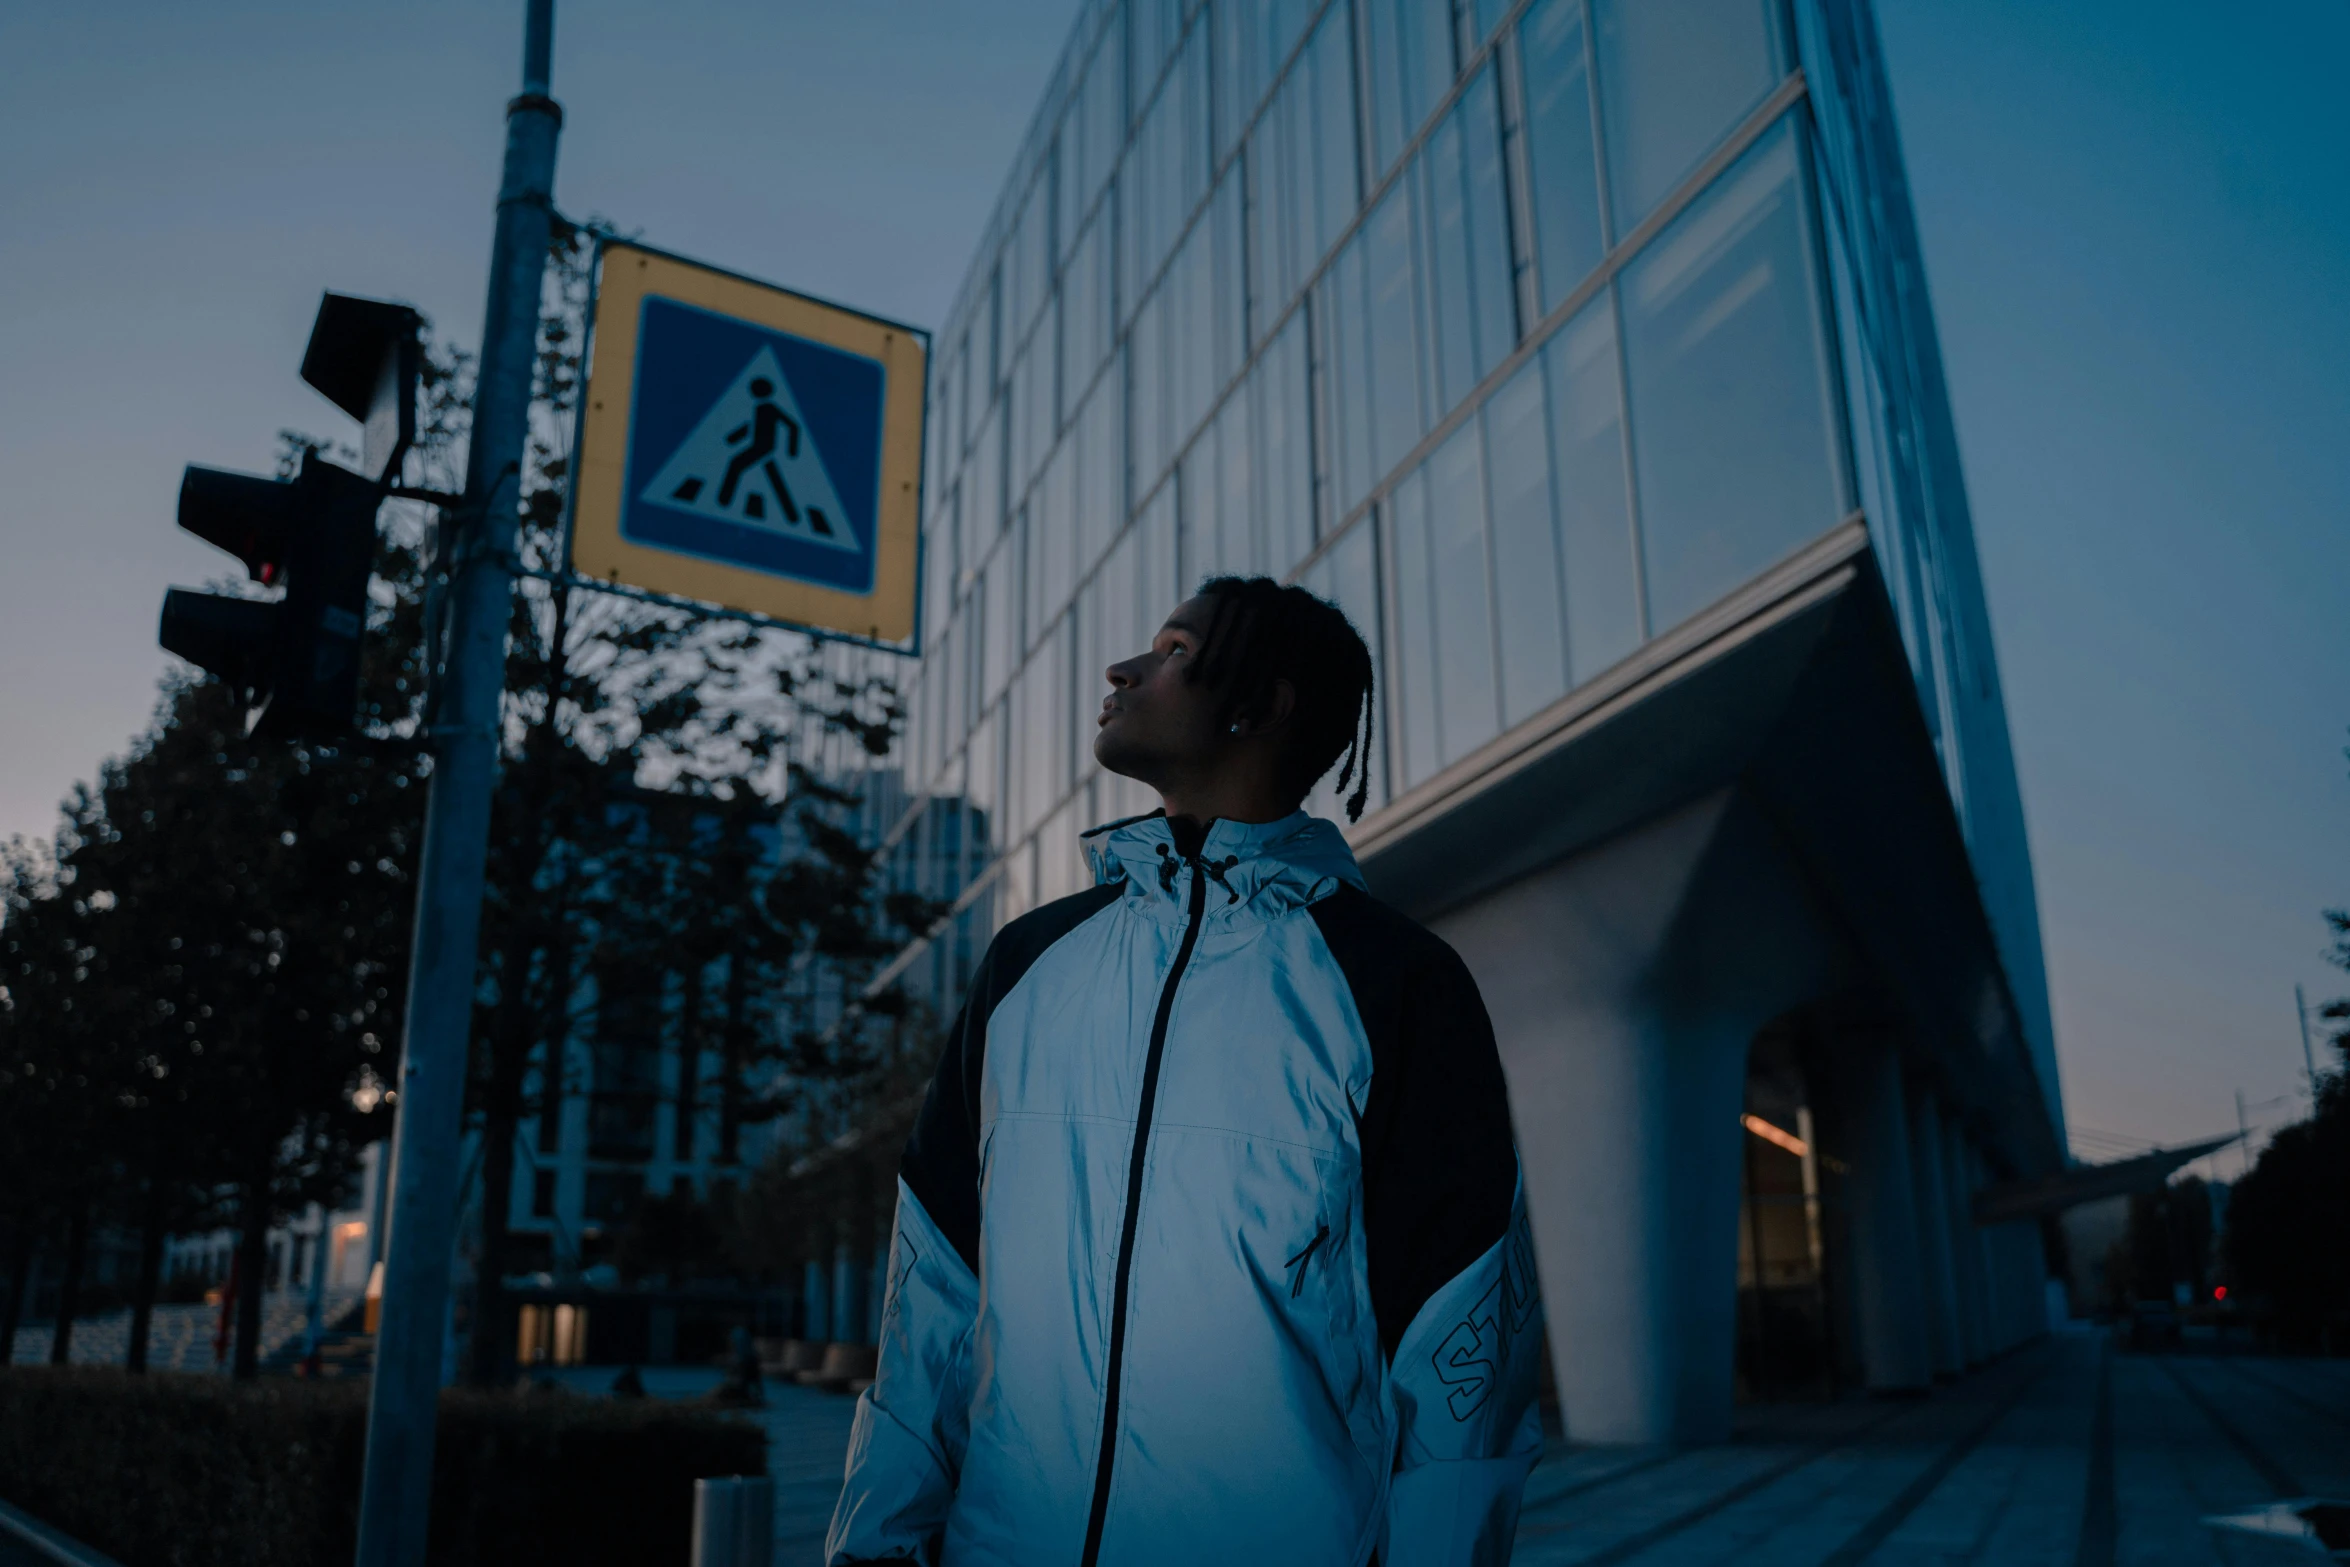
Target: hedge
[167, 1470]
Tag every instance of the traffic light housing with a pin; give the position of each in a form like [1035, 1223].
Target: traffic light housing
[294, 660]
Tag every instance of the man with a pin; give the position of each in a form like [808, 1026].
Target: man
[1209, 1242]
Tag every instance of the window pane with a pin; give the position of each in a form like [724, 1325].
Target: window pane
[1086, 325]
[1722, 340]
[1595, 513]
[1410, 68]
[983, 492]
[1052, 543]
[1391, 355]
[1489, 14]
[1253, 40]
[1560, 164]
[1468, 245]
[1097, 123]
[1467, 715]
[938, 570]
[1525, 548]
[1302, 163]
[1281, 417]
[1413, 658]
[1100, 442]
[1000, 617]
[1675, 75]
[1147, 362]
[1346, 578]
[1167, 168]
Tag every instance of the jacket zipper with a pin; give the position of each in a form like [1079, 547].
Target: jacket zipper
[1142, 1137]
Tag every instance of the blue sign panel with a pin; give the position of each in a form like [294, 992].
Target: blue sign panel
[753, 448]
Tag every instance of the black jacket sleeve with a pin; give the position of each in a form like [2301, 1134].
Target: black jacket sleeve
[941, 1164]
[1439, 1166]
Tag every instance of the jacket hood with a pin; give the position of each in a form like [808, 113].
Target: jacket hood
[1263, 869]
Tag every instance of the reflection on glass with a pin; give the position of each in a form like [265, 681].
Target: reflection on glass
[1561, 165]
[1096, 126]
[1595, 513]
[1467, 716]
[1347, 577]
[1253, 39]
[1675, 76]
[1302, 162]
[1278, 408]
[1412, 698]
[1000, 616]
[1729, 391]
[1390, 348]
[1525, 548]
[1409, 68]
[1474, 322]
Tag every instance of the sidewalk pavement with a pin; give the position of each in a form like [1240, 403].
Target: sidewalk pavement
[2066, 1453]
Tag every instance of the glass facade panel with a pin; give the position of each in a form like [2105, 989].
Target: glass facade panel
[1407, 49]
[1166, 170]
[1485, 16]
[1467, 714]
[1473, 318]
[1302, 171]
[1253, 40]
[1675, 76]
[1348, 576]
[1412, 696]
[1732, 434]
[1028, 259]
[1530, 628]
[1374, 348]
[1281, 415]
[1099, 435]
[1595, 508]
[1562, 165]
[1096, 126]
[999, 617]
[1088, 320]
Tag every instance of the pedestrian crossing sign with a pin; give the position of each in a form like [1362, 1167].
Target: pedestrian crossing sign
[748, 446]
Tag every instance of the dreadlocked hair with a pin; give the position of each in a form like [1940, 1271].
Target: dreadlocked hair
[1262, 632]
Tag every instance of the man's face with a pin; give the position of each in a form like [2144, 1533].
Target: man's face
[1157, 725]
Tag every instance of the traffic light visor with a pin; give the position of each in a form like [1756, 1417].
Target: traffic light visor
[231, 638]
[249, 517]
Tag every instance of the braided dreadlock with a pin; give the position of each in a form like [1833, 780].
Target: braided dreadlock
[1262, 632]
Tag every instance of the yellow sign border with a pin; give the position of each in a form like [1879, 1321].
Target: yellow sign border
[627, 275]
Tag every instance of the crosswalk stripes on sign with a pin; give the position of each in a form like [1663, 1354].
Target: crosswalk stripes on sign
[752, 460]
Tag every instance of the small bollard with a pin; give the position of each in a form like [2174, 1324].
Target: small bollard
[734, 1521]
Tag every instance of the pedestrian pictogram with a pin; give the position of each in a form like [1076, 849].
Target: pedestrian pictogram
[751, 460]
[751, 447]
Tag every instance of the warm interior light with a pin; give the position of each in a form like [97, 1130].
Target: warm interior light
[1776, 1135]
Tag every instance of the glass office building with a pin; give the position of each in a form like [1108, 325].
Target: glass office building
[1579, 349]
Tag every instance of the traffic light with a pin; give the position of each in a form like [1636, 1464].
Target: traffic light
[294, 660]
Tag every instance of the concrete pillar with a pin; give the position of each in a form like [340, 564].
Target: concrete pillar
[816, 1301]
[1890, 1303]
[1966, 1253]
[846, 1326]
[1625, 985]
[1933, 1207]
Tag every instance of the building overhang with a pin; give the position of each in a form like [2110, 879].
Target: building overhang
[1797, 690]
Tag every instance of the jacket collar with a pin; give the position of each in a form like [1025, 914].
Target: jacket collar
[1261, 869]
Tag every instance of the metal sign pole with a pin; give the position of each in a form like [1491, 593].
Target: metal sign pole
[396, 1493]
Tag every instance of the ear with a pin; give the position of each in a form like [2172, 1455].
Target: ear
[1280, 707]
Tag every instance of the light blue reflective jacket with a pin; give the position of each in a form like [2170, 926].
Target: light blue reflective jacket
[1209, 1242]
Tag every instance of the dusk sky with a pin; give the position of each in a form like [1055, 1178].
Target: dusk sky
[2134, 224]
